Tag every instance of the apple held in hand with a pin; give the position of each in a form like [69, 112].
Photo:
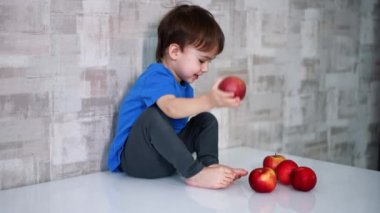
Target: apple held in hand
[272, 161]
[262, 180]
[283, 171]
[233, 84]
[303, 178]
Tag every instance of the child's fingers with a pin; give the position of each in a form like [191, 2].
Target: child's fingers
[217, 82]
[233, 102]
[226, 95]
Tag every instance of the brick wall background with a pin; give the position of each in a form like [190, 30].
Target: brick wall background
[312, 70]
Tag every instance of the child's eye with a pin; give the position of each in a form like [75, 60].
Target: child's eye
[201, 61]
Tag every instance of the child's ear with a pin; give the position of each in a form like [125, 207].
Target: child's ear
[173, 51]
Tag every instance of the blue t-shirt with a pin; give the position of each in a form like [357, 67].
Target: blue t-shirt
[155, 82]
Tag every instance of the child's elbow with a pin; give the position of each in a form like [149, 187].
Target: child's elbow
[171, 112]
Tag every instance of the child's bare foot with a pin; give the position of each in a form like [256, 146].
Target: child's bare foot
[213, 177]
[238, 171]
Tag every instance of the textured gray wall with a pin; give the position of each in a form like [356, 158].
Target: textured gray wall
[312, 69]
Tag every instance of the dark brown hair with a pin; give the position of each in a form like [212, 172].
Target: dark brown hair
[189, 25]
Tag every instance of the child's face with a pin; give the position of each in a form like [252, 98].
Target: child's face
[192, 63]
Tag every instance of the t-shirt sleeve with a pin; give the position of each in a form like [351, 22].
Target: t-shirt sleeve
[156, 86]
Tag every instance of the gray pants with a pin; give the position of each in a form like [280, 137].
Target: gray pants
[154, 150]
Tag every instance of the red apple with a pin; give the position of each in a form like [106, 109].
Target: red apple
[272, 161]
[283, 171]
[233, 84]
[303, 178]
[262, 179]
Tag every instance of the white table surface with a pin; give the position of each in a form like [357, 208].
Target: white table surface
[339, 189]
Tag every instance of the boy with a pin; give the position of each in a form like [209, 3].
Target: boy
[154, 137]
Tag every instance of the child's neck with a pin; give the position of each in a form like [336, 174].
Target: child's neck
[169, 66]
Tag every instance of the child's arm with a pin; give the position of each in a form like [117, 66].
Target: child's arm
[184, 107]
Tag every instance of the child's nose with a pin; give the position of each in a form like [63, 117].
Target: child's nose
[205, 66]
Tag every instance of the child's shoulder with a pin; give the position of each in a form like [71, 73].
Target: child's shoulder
[156, 69]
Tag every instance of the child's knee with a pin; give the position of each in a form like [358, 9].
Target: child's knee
[208, 118]
[154, 113]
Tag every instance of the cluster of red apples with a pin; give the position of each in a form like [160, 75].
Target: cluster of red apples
[285, 171]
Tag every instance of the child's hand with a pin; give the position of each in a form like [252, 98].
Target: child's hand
[220, 98]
